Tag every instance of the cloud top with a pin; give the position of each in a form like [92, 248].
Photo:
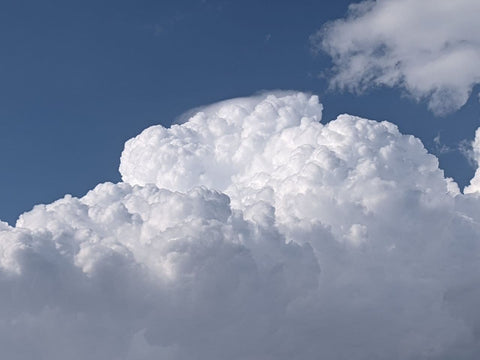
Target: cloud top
[429, 48]
[251, 231]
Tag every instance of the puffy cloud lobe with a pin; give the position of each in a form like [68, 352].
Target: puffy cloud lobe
[428, 47]
[252, 231]
[215, 143]
[179, 270]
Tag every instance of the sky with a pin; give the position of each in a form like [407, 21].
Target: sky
[240, 180]
[80, 78]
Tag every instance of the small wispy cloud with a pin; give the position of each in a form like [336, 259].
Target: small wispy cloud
[440, 147]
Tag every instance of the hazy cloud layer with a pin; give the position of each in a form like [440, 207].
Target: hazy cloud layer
[252, 231]
[430, 48]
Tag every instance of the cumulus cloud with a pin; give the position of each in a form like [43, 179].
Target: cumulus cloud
[251, 231]
[430, 48]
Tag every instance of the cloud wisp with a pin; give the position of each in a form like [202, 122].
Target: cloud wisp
[251, 231]
[429, 48]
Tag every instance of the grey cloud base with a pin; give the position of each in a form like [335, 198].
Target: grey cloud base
[252, 231]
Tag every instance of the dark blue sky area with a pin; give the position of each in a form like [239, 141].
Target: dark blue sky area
[78, 78]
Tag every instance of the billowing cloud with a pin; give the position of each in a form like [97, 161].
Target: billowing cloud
[251, 231]
[430, 48]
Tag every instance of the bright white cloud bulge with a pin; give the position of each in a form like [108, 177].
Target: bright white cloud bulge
[431, 48]
[251, 231]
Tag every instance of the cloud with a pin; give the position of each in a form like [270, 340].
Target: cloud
[441, 148]
[251, 231]
[472, 152]
[430, 48]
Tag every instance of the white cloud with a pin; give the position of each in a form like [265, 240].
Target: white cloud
[472, 153]
[430, 48]
[252, 231]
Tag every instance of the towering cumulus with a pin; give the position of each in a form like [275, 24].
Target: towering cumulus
[251, 231]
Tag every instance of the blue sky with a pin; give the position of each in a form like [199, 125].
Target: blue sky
[80, 78]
